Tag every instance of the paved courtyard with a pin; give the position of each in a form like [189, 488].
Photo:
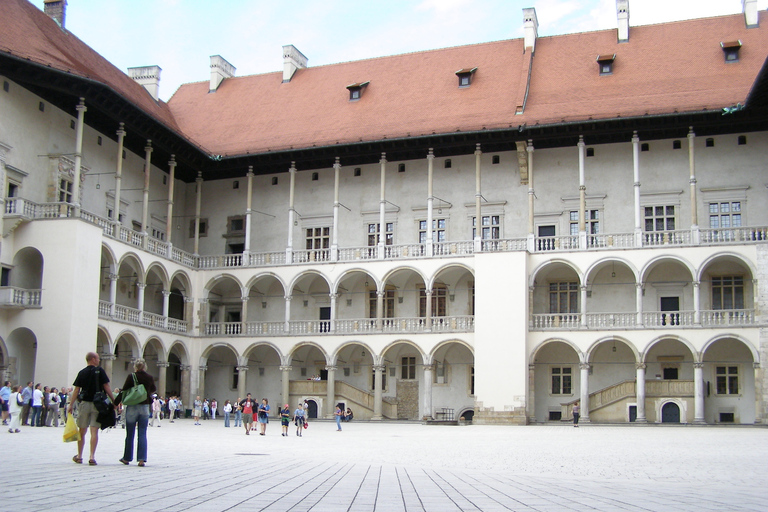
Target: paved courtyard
[395, 467]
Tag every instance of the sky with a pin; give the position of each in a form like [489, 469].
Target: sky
[181, 35]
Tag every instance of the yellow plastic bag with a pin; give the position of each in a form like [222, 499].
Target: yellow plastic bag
[71, 432]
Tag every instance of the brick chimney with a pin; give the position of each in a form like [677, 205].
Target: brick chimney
[148, 77]
[220, 69]
[749, 8]
[56, 9]
[622, 13]
[530, 27]
[293, 60]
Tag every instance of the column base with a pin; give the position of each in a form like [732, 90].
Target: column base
[699, 421]
[642, 421]
[377, 418]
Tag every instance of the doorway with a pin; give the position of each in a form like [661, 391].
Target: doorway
[670, 413]
[672, 307]
[312, 410]
[325, 319]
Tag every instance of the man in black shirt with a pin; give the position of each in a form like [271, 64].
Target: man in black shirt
[90, 380]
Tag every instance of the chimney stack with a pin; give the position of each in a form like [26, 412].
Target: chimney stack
[622, 13]
[148, 77]
[530, 27]
[293, 59]
[749, 8]
[56, 9]
[220, 69]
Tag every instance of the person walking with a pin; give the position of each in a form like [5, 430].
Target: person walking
[299, 419]
[37, 406]
[206, 409]
[248, 405]
[285, 418]
[90, 380]
[26, 395]
[263, 416]
[197, 410]
[5, 398]
[576, 414]
[52, 418]
[15, 404]
[157, 407]
[338, 414]
[227, 412]
[137, 414]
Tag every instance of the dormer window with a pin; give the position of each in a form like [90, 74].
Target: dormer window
[605, 63]
[356, 90]
[465, 76]
[731, 50]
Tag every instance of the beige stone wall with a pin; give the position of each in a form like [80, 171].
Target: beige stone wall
[407, 400]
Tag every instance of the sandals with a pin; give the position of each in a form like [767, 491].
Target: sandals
[141, 463]
[125, 461]
[77, 460]
[92, 462]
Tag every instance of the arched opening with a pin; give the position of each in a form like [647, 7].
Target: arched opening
[729, 382]
[313, 408]
[263, 378]
[22, 355]
[404, 370]
[556, 297]
[219, 379]
[556, 381]
[612, 379]
[452, 380]
[353, 384]
[670, 413]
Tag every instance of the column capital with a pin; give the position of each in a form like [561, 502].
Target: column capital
[185, 367]
[640, 366]
[635, 138]
[698, 365]
[287, 368]
[383, 159]
[121, 130]
[107, 357]
[331, 368]
[691, 133]
[244, 298]
[378, 367]
[288, 298]
[529, 147]
[148, 147]
[203, 300]
[431, 154]
[333, 296]
[477, 149]
[166, 293]
[203, 368]
[189, 300]
[163, 364]
[380, 293]
[172, 161]
[241, 368]
[531, 367]
[113, 277]
[250, 174]
[581, 143]
[141, 285]
[81, 106]
[584, 366]
[755, 366]
[696, 284]
[337, 163]
[429, 367]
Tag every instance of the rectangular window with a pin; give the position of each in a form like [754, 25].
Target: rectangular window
[318, 238]
[203, 228]
[408, 370]
[561, 380]
[728, 292]
[438, 230]
[563, 297]
[235, 225]
[592, 222]
[727, 378]
[725, 215]
[373, 234]
[490, 227]
[660, 218]
[439, 294]
[65, 191]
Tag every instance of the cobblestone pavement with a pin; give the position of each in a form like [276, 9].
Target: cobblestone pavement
[395, 467]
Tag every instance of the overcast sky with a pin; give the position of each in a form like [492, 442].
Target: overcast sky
[181, 35]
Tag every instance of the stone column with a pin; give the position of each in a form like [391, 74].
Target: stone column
[113, 278]
[248, 217]
[380, 309]
[185, 391]
[758, 393]
[478, 198]
[428, 322]
[531, 196]
[383, 206]
[697, 303]
[145, 201]
[107, 361]
[583, 306]
[169, 213]
[335, 230]
[201, 380]
[636, 174]
[162, 379]
[166, 300]
[198, 206]
[287, 327]
[285, 373]
[244, 313]
[334, 308]
[242, 381]
[584, 388]
[81, 109]
[427, 412]
[582, 195]
[692, 185]
[118, 177]
[377, 392]
[530, 405]
[204, 315]
[640, 392]
[639, 302]
[189, 313]
[291, 212]
[430, 200]
[331, 396]
[140, 299]
[698, 393]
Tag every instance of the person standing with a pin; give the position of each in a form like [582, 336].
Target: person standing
[26, 395]
[52, 418]
[206, 409]
[248, 405]
[227, 412]
[263, 416]
[306, 410]
[197, 410]
[157, 408]
[15, 405]
[214, 406]
[90, 380]
[338, 414]
[576, 414]
[238, 413]
[172, 408]
[285, 418]
[63, 399]
[5, 397]
[137, 415]
[37, 406]
[299, 419]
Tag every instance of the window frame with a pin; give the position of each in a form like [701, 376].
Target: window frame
[730, 380]
[655, 216]
[722, 285]
[408, 368]
[571, 294]
[317, 238]
[439, 229]
[374, 233]
[493, 228]
[558, 374]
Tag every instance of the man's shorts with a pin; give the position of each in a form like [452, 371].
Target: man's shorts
[4, 407]
[86, 415]
[247, 418]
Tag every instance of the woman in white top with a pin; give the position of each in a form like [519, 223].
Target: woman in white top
[52, 418]
[15, 403]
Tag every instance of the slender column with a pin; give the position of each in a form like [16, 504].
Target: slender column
[530, 404]
[248, 215]
[81, 109]
[242, 381]
[113, 278]
[162, 380]
[189, 313]
[107, 361]
[583, 306]
[140, 299]
[169, 213]
[334, 308]
[285, 379]
[698, 393]
[377, 392]
[201, 380]
[331, 397]
[335, 230]
[145, 201]
[185, 390]
[382, 206]
[291, 212]
[531, 289]
[636, 175]
[166, 303]
[428, 323]
[287, 327]
[531, 196]
[478, 197]
[758, 395]
[204, 315]
[697, 302]
[639, 302]
[582, 195]
[692, 184]
[244, 312]
[640, 392]
[380, 309]
[198, 206]
[427, 412]
[430, 200]
[118, 175]
[584, 387]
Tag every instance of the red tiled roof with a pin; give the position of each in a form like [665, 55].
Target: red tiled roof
[28, 33]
